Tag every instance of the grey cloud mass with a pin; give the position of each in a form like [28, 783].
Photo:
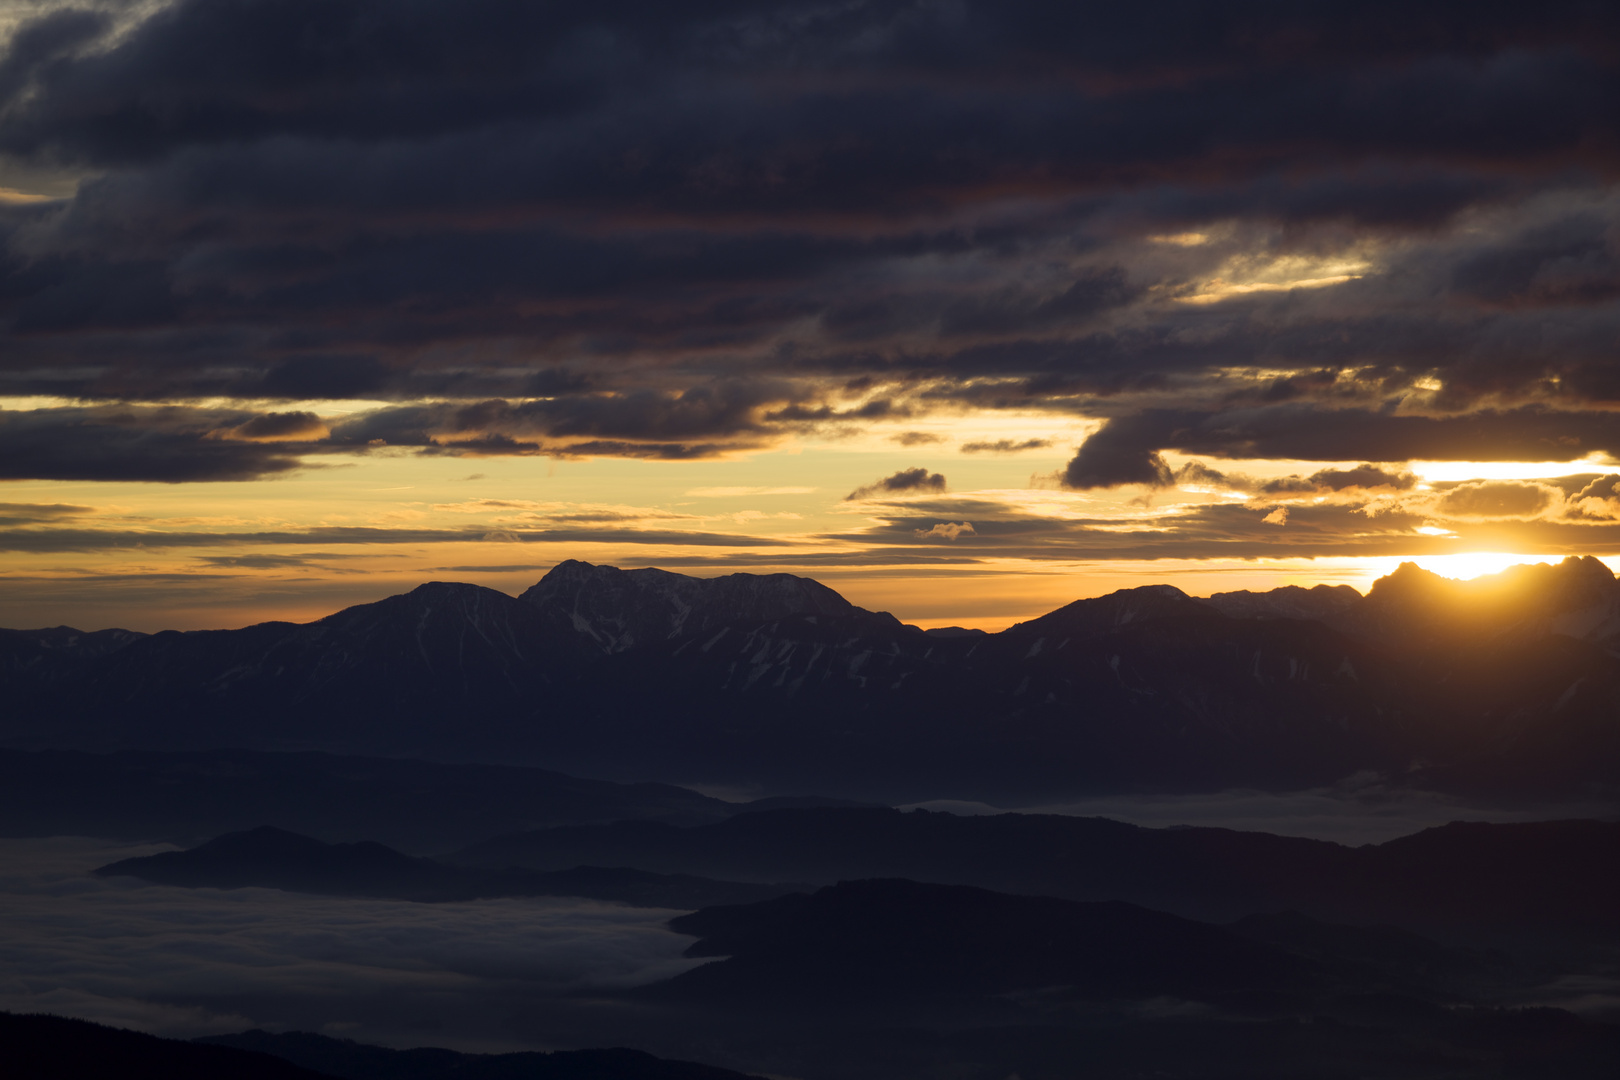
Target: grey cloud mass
[1337, 232]
[906, 480]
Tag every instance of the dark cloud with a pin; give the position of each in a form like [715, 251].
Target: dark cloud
[1126, 449]
[13, 514]
[903, 482]
[163, 446]
[1112, 457]
[675, 231]
[269, 562]
[55, 539]
[1225, 531]
[916, 438]
[1004, 446]
[278, 427]
[1362, 476]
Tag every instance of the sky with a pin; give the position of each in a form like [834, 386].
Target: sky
[967, 309]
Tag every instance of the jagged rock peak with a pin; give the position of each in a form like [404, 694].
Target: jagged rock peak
[619, 608]
[1320, 602]
[1102, 613]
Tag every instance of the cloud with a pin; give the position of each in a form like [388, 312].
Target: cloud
[270, 562]
[159, 446]
[1362, 477]
[13, 514]
[1126, 450]
[682, 232]
[50, 539]
[1004, 446]
[903, 482]
[1598, 499]
[1111, 458]
[279, 427]
[185, 962]
[945, 530]
[916, 438]
[1498, 499]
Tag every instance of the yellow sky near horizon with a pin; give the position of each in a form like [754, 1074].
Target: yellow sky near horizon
[999, 544]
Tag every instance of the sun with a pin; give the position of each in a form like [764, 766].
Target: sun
[1472, 564]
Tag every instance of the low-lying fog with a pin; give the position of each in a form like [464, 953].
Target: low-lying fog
[187, 962]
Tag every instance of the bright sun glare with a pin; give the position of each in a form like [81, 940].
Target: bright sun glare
[1473, 564]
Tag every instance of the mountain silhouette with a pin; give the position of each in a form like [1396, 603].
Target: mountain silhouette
[904, 939]
[1540, 879]
[40, 1047]
[350, 1060]
[417, 806]
[1506, 686]
[273, 858]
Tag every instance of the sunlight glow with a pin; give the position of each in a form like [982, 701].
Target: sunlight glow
[1447, 472]
[1473, 564]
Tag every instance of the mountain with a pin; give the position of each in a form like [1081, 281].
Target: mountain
[618, 610]
[1532, 880]
[349, 1060]
[1320, 603]
[896, 939]
[1412, 607]
[57, 1048]
[419, 806]
[1506, 687]
[882, 978]
[273, 858]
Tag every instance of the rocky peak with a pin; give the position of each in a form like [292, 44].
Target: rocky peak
[1319, 603]
[619, 609]
[1101, 614]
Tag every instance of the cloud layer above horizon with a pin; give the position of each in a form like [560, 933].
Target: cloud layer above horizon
[1257, 257]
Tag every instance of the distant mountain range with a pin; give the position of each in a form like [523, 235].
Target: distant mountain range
[418, 806]
[1505, 685]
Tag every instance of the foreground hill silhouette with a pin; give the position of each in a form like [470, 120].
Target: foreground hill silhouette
[1537, 879]
[1537, 882]
[859, 944]
[39, 1047]
[273, 858]
[349, 1060]
[1506, 686]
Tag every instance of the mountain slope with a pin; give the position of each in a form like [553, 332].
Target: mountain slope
[775, 679]
[1544, 878]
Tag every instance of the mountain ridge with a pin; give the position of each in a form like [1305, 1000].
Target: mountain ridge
[1473, 687]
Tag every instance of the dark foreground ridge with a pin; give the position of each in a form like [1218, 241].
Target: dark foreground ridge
[865, 943]
[1507, 685]
[39, 1047]
[348, 1060]
[273, 858]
